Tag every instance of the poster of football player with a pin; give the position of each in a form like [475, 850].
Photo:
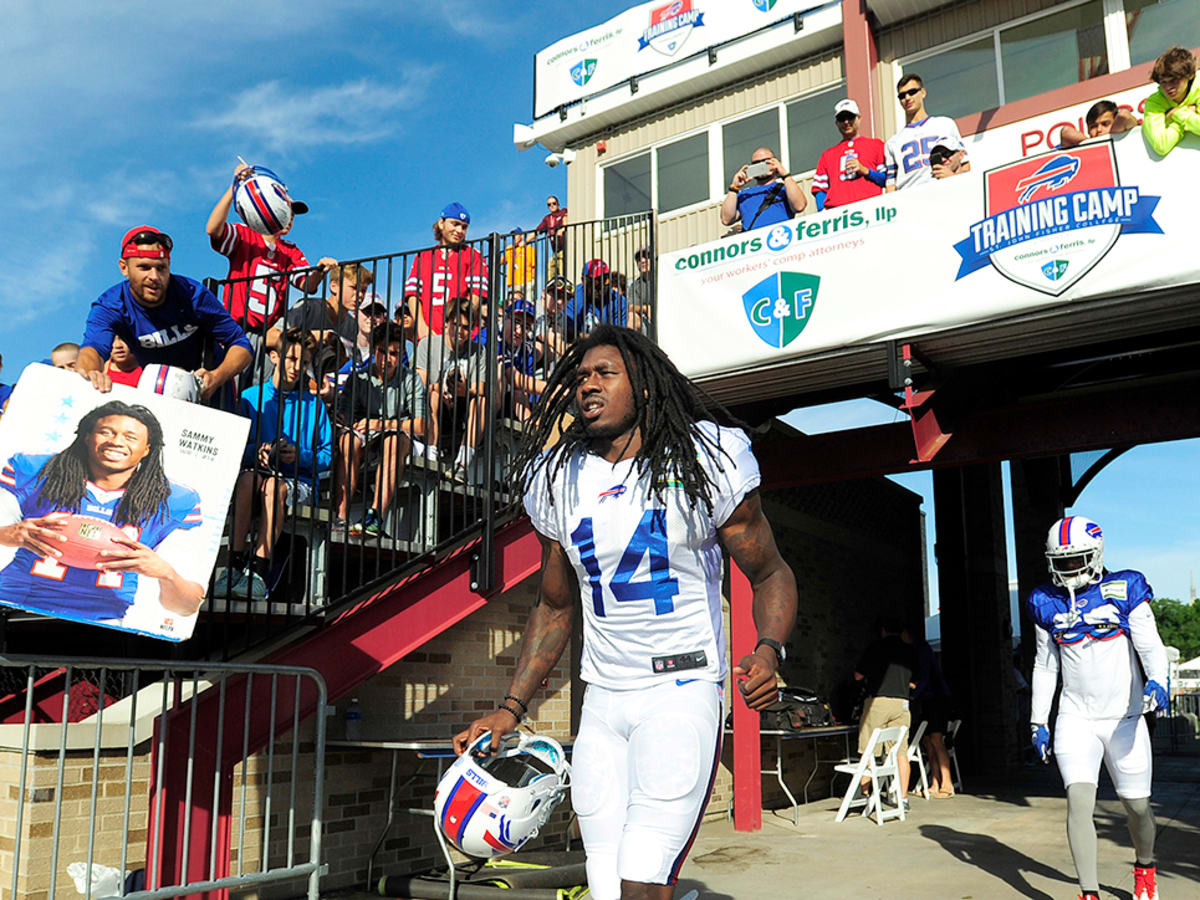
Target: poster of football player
[112, 505]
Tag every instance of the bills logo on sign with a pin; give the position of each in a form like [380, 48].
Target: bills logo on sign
[582, 71]
[1051, 218]
[780, 306]
[670, 26]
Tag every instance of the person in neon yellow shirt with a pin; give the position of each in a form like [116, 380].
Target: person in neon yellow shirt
[520, 263]
[1174, 109]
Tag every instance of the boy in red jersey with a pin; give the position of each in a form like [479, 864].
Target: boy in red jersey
[853, 169]
[257, 304]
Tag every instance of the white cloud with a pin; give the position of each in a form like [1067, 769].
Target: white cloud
[278, 118]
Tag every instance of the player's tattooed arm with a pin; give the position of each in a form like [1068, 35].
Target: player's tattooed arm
[748, 539]
[547, 631]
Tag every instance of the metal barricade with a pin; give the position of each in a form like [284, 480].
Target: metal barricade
[87, 740]
[417, 370]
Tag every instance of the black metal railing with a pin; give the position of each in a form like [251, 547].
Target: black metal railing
[391, 428]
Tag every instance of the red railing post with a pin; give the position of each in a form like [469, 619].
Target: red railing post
[747, 752]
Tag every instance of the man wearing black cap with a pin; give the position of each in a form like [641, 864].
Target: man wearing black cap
[164, 318]
[641, 289]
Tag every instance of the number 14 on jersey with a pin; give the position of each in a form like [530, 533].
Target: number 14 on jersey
[650, 537]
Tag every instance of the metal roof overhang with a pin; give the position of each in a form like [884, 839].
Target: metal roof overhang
[862, 370]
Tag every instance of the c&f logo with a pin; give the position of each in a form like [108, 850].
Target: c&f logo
[582, 71]
[764, 5]
[781, 305]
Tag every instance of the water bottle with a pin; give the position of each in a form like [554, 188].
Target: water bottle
[849, 174]
[353, 721]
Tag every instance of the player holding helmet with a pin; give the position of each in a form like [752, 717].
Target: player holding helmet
[1095, 626]
[633, 504]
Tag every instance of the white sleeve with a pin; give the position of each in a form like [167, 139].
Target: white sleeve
[537, 504]
[1045, 676]
[10, 508]
[1146, 641]
[734, 470]
[183, 548]
[959, 145]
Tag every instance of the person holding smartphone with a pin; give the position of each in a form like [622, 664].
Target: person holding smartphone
[762, 193]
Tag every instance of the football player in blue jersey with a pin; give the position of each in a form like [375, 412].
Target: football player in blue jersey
[1096, 628]
[113, 470]
[164, 318]
[635, 503]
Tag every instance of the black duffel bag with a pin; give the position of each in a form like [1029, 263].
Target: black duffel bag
[796, 708]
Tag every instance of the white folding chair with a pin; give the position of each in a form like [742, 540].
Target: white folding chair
[869, 766]
[916, 756]
[951, 733]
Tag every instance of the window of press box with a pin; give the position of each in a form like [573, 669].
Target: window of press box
[1153, 27]
[740, 139]
[959, 81]
[810, 128]
[1051, 52]
[682, 172]
[627, 187]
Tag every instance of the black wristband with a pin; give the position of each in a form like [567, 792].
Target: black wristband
[508, 709]
[732, 190]
[521, 703]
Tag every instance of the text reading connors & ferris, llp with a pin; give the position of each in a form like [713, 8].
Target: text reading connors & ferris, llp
[781, 236]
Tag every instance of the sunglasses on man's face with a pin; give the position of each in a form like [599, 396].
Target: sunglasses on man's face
[909, 93]
[551, 203]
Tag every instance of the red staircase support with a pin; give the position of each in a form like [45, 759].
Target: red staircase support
[361, 642]
[747, 750]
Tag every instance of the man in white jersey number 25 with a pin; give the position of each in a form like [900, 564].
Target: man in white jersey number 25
[1095, 627]
[633, 505]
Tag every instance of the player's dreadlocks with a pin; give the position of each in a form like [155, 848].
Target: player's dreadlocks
[65, 476]
[667, 406]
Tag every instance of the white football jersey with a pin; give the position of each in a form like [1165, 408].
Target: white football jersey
[906, 153]
[649, 573]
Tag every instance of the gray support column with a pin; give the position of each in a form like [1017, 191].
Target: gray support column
[975, 619]
[1037, 503]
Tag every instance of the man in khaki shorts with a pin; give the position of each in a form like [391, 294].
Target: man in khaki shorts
[889, 668]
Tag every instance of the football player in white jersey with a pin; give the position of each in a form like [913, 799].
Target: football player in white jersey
[1095, 627]
[633, 504]
[927, 147]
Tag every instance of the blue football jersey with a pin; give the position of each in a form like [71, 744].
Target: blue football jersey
[173, 334]
[46, 586]
[1100, 612]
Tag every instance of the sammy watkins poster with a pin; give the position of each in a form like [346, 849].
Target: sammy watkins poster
[112, 505]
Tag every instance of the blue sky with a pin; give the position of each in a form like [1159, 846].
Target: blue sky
[377, 115]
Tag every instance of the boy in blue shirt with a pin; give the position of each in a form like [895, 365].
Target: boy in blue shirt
[164, 318]
[290, 445]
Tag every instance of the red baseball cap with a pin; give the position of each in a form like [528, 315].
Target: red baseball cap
[595, 268]
[146, 242]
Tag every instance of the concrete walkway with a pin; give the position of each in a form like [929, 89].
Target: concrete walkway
[1004, 839]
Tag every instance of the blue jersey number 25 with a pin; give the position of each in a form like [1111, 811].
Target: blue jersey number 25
[650, 536]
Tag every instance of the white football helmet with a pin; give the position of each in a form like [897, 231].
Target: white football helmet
[488, 806]
[263, 202]
[170, 381]
[1075, 552]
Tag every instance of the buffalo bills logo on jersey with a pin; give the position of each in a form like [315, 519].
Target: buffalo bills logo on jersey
[781, 305]
[1055, 174]
[670, 26]
[582, 71]
[617, 490]
[1049, 219]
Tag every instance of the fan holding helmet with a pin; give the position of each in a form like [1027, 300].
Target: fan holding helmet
[1095, 628]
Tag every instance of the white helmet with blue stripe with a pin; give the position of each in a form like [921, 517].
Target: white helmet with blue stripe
[170, 381]
[490, 805]
[263, 202]
[1075, 552]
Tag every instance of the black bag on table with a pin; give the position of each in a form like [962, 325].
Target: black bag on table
[797, 708]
